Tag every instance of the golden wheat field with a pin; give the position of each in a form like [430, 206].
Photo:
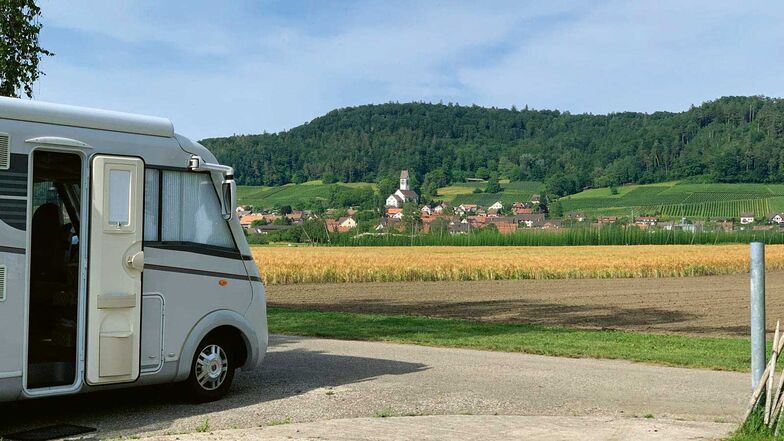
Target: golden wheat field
[288, 265]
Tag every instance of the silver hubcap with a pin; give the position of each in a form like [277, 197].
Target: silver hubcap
[211, 367]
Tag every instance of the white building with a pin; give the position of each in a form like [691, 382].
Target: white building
[403, 194]
[497, 206]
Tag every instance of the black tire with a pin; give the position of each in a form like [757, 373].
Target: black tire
[205, 383]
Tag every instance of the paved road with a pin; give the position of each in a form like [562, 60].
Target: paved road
[306, 380]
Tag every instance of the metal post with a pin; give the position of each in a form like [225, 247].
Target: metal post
[757, 312]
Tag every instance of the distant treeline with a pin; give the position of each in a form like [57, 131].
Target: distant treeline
[571, 236]
[732, 139]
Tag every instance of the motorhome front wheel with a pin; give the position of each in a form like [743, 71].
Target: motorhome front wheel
[212, 370]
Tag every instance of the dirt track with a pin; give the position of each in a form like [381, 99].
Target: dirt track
[714, 305]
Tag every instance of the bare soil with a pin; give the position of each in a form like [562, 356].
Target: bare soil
[713, 305]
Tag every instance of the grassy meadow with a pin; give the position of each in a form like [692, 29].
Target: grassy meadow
[290, 194]
[463, 193]
[288, 265]
[722, 353]
[677, 199]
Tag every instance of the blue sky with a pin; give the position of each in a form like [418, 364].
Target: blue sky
[240, 67]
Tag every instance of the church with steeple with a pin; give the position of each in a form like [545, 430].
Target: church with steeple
[403, 194]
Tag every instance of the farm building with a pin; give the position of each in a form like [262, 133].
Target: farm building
[777, 218]
[746, 218]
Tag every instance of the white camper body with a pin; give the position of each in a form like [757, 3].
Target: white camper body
[121, 260]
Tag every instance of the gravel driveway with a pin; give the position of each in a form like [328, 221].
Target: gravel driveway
[309, 380]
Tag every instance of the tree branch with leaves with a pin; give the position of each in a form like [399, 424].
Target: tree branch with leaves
[20, 52]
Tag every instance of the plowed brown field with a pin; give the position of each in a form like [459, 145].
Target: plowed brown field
[712, 305]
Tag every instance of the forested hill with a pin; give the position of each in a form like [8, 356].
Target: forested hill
[731, 139]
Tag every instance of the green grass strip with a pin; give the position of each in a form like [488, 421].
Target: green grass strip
[720, 353]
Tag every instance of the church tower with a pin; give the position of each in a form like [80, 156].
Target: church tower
[404, 180]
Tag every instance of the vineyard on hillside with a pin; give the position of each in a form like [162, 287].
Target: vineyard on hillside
[681, 200]
[723, 209]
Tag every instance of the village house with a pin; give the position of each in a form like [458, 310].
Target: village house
[332, 225]
[477, 221]
[605, 220]
[776, 218]
[462, 227]
[243, 210]
[426, 210]
[576, 216]
[552, 224]
[685, 225]
[646, 221]
[342, 225]
[497, 206]
[535, 220]
[523, 210]
[403, 194]
[466, 208]
[440, 208]
[247, 220]
[296, 217]
[346, 224]
[396, 213]
[536, 199]
[746, 218]
[268, 228]
[389, 224]
[505, 225]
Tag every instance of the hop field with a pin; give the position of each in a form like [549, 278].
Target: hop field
[290, 265]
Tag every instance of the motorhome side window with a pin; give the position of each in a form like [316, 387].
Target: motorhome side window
[190, 211]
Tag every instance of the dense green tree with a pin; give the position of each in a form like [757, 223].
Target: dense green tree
[493, 186]
[732, 139]
[20, 52]
[556, 209]
[433, 180]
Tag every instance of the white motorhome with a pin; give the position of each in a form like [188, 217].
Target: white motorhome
[122, 261]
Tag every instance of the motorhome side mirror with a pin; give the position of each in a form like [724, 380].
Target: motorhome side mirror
[229, 201]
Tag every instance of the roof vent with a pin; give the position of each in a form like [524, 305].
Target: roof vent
[2, 283]
[5, 151]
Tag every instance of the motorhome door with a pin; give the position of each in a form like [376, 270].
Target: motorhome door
[116, 261]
